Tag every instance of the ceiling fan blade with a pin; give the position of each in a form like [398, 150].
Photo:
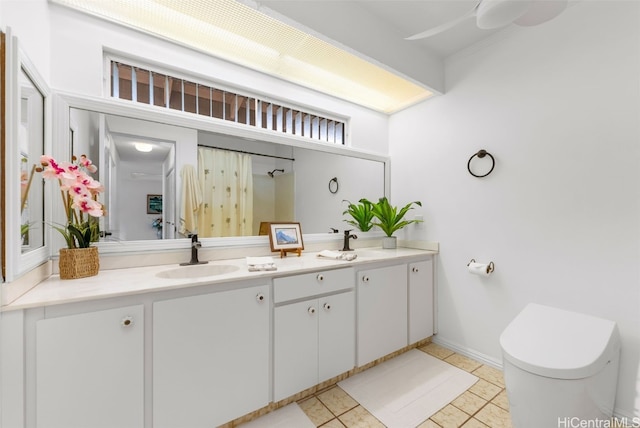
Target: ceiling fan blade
[500, 13]
[444, 27]
[541, 11]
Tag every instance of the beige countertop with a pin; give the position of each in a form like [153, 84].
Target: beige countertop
[123, 282]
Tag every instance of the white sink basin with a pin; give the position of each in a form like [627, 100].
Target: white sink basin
[197, 271]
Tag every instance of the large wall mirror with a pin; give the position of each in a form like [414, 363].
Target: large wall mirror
[31, 146]
[150, 162]
[25, 242]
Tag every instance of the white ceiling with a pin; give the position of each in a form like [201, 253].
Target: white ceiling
[125, 147]
[360, 44]
[354, 23]
[378, 29]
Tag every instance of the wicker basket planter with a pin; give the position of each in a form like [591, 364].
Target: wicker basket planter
[79, 262]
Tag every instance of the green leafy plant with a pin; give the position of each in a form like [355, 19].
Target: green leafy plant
[362, 214]
[79, 235]
[390, 218]
[24, 232]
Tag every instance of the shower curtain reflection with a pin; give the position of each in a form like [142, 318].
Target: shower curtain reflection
[227, 185]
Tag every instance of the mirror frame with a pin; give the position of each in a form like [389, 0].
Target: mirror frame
[17, 263]
[63, 101]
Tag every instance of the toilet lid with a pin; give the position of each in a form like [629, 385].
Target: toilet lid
[559, 344]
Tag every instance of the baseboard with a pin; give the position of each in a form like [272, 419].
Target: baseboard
[463, 350]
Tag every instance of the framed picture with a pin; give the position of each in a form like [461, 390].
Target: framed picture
[285, 236]
[154, 204]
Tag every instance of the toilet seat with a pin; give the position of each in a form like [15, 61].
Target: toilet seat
[559, 344]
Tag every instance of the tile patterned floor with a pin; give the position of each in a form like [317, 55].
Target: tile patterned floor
[484, 405]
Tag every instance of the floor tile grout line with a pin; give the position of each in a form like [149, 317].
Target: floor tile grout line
[499, 385]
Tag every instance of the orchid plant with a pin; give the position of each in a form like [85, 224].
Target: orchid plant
[79, 193]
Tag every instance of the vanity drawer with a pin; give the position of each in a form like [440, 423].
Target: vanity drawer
[312, 284]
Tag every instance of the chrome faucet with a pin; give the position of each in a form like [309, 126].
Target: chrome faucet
[195, 244]
[347, 236]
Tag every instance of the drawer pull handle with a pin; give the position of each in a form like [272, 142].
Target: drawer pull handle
[311, 310]
[365, 278]
[327, 307]
[127, 322]
[415, 269]
[260, 297]
[320, 277]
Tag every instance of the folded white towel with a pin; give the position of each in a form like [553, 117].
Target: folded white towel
[337, 255]
[261, 264]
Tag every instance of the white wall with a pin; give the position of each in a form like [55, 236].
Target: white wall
[75, 36]
[29, 21]
[67, 49]
[135, 223]
[558, 106]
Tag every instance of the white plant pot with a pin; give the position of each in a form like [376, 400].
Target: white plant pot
[389, 242]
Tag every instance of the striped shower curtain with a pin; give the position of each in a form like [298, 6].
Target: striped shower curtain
[227, 187]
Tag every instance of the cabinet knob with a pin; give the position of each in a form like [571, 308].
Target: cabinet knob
[415, 269]
[327, 307]
[260, 297]
[126, 322]
[320, 277]
[365, 278]
[311, 310]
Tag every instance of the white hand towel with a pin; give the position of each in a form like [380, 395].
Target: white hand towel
[337, 255]
[261, 264]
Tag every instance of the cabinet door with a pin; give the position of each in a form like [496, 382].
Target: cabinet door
[420, 300]
[295, 348]
[210, 357]
[382, 312]
[337, 335]
[90, 370]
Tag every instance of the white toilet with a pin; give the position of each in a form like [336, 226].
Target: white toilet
[559, 367]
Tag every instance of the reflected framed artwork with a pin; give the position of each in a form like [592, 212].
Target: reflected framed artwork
[285, 237]
[154, 204]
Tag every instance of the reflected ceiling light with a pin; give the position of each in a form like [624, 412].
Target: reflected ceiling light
[143, 147]
[243, 35]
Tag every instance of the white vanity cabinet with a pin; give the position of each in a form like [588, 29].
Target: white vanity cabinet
[421, 300]
[90, 369]
[210, 357]
[395, 307]
[204, 353]
[314, 329]
[382, 312]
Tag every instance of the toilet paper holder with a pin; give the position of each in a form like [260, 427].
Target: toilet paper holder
[490, 267]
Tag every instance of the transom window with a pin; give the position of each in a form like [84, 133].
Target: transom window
[129, 82]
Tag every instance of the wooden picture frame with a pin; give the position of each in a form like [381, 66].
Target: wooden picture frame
[154, 204]
[286, 237]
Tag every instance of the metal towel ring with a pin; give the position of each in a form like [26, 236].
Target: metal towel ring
[481, 153]
[333, 185]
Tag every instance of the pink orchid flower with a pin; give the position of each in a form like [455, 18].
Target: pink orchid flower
[86, 163]
[89, 206]
[51, 167]
[79, 191]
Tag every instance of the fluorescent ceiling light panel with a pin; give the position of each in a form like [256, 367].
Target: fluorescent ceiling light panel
[240, 34]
